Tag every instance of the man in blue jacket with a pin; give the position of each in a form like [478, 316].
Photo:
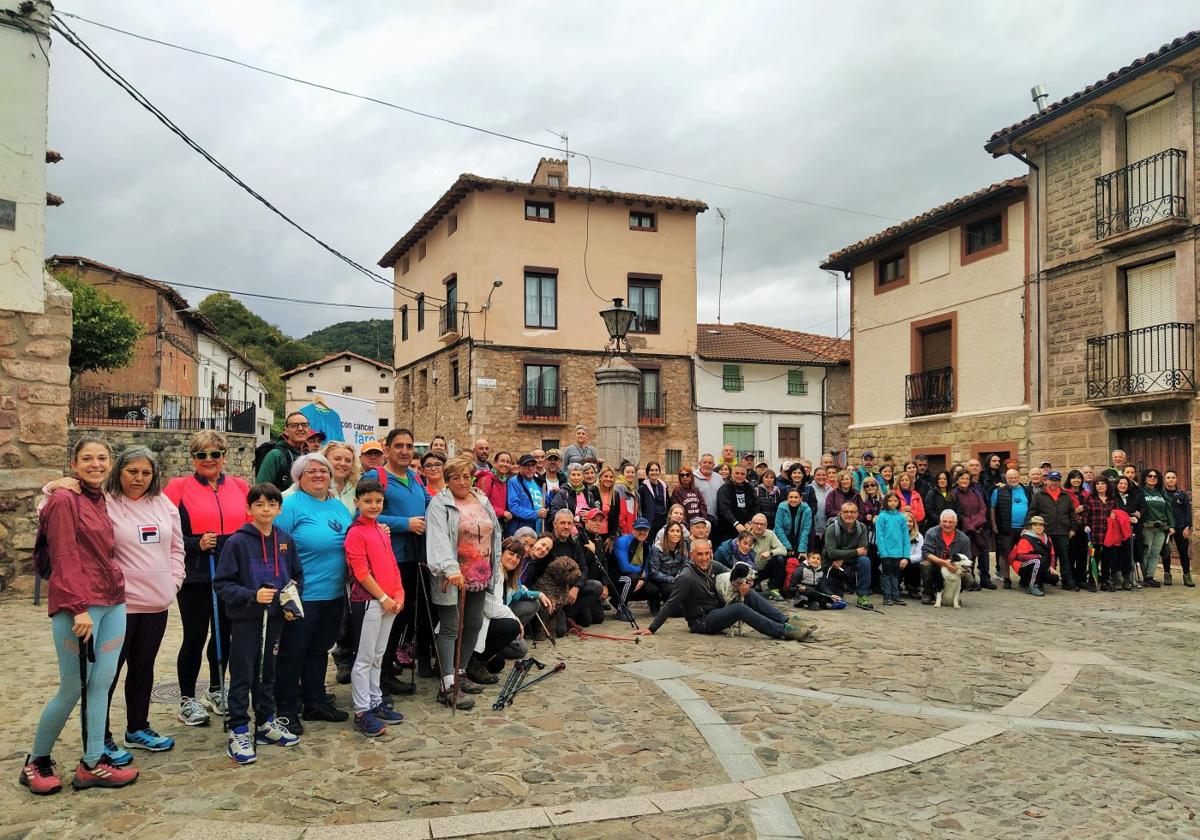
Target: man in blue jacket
[526, 498]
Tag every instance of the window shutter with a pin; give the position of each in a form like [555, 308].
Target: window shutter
[1150, 130]
[937, 349]
[1150, 294]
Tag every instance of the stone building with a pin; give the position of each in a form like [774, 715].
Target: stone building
[343, 373]
[940, 357]
[35, 311]
[766, 390]
[1113, 182]
[498, 332]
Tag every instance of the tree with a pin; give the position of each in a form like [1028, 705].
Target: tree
[105, 333]
[372, 338]
[242, 328]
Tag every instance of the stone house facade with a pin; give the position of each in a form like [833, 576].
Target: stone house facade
[497, 330]
[1113, 185]
[343, 373]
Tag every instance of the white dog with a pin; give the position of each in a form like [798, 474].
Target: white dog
[953, 582]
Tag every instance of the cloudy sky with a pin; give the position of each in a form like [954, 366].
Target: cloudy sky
[880, 108]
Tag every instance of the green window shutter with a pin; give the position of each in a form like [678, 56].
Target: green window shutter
[797, 385]
[731, 378]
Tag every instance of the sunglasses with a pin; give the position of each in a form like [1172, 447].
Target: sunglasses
[214, 455]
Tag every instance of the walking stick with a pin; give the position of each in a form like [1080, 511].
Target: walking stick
[561, 666]
[462, 603]
[623, 610]
[549, 635]
[87, 653]
[212, 577]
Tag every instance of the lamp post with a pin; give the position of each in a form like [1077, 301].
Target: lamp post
[617, 320]
[618, 383]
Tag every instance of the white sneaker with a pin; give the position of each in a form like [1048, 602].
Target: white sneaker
[275, 734]
[241, 746]
[192, 713]
[214, 701]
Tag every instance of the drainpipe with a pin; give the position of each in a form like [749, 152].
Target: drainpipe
[1037, 265]
[824, 407]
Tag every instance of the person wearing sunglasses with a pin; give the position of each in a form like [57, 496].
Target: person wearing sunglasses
[212, 506]
[273, 463]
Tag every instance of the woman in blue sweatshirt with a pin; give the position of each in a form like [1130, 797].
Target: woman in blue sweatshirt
[892, 542]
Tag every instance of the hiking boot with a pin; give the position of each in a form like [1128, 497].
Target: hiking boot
[326, 712]
[887, 602]
[343, 673]
[394, 685]
[40, 775]
[927, 600]
[241, 745]
[899, 602]
[192, 713]
[368, 724]
[387, 715]
[1107, 587]
[1127, 585]
[1091, 586]
[1187, 580]
[796, 633]
[425, 670]
[213, 699]
[148, 739]
[1151, 583]
[468, 686]
[974, 587]
[478, 672]
[103, 775]
[1034, 589]
[117, 755]
[986, 583]
[446, 698]
[1167, 579]
[1007, 583]
[275, 733]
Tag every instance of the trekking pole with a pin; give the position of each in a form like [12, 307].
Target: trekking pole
[87, 652]
[530, 663]
[623, 610]
[561, 666]
[462, 604]
[509, 681]
[212, 577]
[549, 635]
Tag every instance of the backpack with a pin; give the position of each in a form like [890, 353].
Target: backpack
[41, 543]
[260, 454]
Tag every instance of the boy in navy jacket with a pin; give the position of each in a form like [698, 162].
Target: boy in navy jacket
[256, 562]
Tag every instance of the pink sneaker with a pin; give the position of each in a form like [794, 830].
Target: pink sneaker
[41, 776]
[103, 775]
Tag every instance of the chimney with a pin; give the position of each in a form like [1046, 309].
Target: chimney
[550, 173]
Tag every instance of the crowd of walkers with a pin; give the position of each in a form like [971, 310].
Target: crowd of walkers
[445, 566]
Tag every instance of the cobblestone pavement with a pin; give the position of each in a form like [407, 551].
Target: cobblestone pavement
[981, 722]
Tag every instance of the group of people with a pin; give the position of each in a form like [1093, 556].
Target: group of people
[444, 566]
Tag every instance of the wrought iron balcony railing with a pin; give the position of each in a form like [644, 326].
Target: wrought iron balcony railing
[1150, 360]
[1141, 194]
[929, 392]
[539, 403]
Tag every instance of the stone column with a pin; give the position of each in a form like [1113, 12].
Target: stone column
[618, 437]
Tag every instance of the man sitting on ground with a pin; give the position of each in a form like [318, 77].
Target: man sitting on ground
[846, 540]
[942, 544]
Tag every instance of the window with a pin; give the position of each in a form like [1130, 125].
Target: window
[797, 385]
[642, 221]
[644, 294]
[422, 387]
[404, 265]
[550, 443]
[674, 461]
[539, 397]
[892, 269]
[983, 234]
[420, 311]
[310, 388]
[451, 224]
[421, 252]
[405, 391]
[731, 378]
[936, 347]
[260, 399]
[539, 211]
[541, 300]
[347, 389]
[454, 377]
[742, 437]
[650, 396]
[383, 389]
[789, 441]
[383, 422]
[346, 368]
[554, 181]
[404, 323]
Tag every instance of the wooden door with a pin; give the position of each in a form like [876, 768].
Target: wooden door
[1162, 447]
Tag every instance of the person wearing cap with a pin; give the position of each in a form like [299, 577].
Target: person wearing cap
[574, 495]
[686, 493]
[747, 461]
[1057, 510]
[315, 441]
[549, 471]
[370, 455]
[526, 498]
[865, 469]
[580, 451]
[1033, 556]
[630, 554]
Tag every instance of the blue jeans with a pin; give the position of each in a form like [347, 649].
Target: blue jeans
[862, 575]
[890, 577]
[755, 611]
[108, 632]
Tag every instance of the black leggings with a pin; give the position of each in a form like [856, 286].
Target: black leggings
[1183, 546]
[195, 611]
[143, 636]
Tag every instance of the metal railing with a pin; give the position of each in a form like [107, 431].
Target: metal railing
[929, 392]
[160, 411]
[1141, 194]
[448, 318]
[543, 403]
[732, 383]
[1144, 361]
[651, 406]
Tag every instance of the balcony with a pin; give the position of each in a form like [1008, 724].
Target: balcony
[448, 321]
[120, 410]
[1142, 200]
[543, 405]
[1152, 362]
[733, 382]
[651, 408]
[928, 393]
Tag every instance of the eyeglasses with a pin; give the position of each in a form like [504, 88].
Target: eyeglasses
[316, 471]
[297, 425]
[434, 465]
[214, 455]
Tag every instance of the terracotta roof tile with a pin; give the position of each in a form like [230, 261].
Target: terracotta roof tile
[1182, 44]
[467, 183]
[742, 342]
[930, 218]
[330, 358]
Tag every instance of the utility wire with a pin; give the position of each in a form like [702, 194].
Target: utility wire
[286, 299]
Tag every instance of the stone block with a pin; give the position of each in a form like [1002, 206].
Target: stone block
[601, 809]
[52, 374]
[49, 348]
[16, 481]
[45, 394]
[489, 823]
[11, 458]
[43, 425]
[49, 455]
[8, 419]
[9, 333]
[702, 797]
[47, 325]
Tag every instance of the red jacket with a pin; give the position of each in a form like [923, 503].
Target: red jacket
[495, 490]
[369, 552]
[203, 509]
[1119, 528]
[83, 568]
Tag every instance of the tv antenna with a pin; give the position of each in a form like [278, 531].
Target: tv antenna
[562, 135]
[837, 302]
[723, 221]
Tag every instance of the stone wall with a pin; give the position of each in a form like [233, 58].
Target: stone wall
[171, 449]
[838, 391]
[960, 436]
[1074, 313]
[35, 351]
[1072, 166]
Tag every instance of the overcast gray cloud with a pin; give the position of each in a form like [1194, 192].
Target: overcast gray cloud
[878, 107]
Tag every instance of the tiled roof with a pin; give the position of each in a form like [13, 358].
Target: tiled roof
[742, 342]
[840, 260]
[330, 358]
[467, 183]
[1146, 63]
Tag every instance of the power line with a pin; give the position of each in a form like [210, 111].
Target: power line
[286, 299]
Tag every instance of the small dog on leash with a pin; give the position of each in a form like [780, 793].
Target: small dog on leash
[953, 582]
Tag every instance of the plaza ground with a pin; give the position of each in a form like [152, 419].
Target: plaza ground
[1074, 714]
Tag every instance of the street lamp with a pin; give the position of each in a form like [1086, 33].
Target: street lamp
[617, 320]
